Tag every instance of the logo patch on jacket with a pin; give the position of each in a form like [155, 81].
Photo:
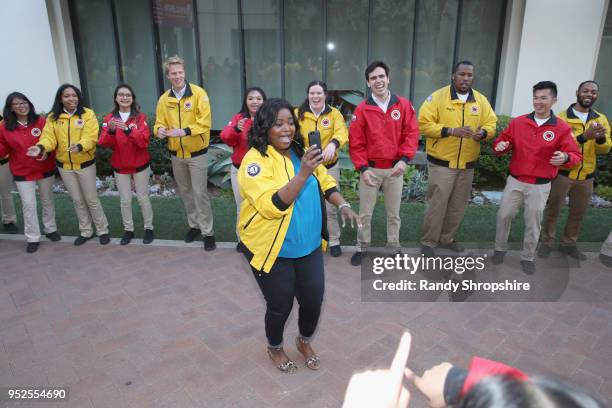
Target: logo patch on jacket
[253, 169]
[188, 105]
[35, 132]
[353, 118]
[133, 126]
[474, 109]
[325, 123]
[79, 123]
[429, 98]
[548, 135]
[395, 114]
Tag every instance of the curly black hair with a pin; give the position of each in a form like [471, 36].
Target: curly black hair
[264, 120]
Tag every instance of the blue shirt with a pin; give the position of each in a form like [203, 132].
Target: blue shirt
[304, 233]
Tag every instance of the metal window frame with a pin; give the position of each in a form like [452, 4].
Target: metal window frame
[281, 27]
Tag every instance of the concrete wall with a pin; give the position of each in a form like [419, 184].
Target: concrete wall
[29, 63]
[559, 41]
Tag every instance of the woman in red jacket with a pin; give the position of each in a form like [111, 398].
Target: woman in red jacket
[126, 132]
[236, 135]
[21, 129]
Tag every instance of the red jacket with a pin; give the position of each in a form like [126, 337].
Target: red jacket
[238, 140]
[380, 139]
[130, 148]
[16, 142]
[459, 381]
[532, 147]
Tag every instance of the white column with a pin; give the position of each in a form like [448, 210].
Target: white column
[559, 41]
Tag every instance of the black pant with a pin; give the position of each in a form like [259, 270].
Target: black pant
[302, 278]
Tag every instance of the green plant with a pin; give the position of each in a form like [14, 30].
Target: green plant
[219, 165]
[491, 171]
[603, 174]
[349, 183]
[604, 192]
[415, 184]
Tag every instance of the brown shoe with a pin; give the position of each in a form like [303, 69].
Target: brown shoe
[312, 360]
[284, 364]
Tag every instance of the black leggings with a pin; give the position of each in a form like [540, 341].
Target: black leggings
[302, 278]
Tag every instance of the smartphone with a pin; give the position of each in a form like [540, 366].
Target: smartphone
[314, 138]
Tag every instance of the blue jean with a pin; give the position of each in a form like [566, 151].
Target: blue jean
[302, 278]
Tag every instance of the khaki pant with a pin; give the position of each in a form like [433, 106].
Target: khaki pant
[517, 193]
[191, 178]
[392, 191]
[332, 211]
[448, 193]
[606, 248]
[81, 185]
[141, 185]
[580, 192]
[27, 192]
[7, 207]
[237, 196]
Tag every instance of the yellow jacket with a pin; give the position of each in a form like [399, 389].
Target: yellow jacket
[330, 124]
[264, 218]
[67, 130]
[589, 148]
[443, 110]
[191, 113]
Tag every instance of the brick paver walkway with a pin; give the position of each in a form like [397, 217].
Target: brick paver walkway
[162, 326]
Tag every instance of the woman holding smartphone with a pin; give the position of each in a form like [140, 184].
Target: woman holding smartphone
[282, 226]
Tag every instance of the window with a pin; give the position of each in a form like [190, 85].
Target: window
[602, 75]
[347, 44]
[478, 41]
[262, 45]
[220, 57]
[303, 52]
[138, 62]
[97, 52]
[176, 26]
[392, 36]
[435, 31]
[229, 44]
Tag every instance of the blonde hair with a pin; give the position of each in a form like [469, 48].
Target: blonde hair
[172, 61]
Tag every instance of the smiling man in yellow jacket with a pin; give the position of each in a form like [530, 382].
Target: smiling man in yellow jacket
[592, 132]
[183, 116]
[455, 120]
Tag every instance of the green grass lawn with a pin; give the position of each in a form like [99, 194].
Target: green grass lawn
[478, 225]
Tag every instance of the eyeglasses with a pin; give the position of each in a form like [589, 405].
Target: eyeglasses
[19, 104]
[124, 95]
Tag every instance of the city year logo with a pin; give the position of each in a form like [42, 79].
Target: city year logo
[253, 169]
[549, 135]
[79, 123]
[188, 105]
[325, 123]
[474, 109]
[395, 114]
[35, 132]
[133, 126]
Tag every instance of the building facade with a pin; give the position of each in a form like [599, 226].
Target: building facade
[281, 45]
